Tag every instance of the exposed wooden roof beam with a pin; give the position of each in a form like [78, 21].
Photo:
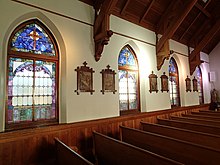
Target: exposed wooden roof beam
[147, 11]
[175, 23]
[194, 58]
[203, 10]
[102, 33]
[124, 8]
[193, 21]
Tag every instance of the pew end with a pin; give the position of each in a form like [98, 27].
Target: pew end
[66, 155]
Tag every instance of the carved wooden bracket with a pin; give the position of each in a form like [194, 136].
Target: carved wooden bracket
[194, 61]
[102, 33]
[100, 43]
[163, 54]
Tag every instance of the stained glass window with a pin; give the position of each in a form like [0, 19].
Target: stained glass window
[32, 80]
[32, 38]
[174, 83]
[127, 59]
[200, 84]
[128, 80]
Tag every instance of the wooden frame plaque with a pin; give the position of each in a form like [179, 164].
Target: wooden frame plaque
[108, 80]
[188, 84]
[84, 79]
[153, 82]
[164, 82]
[195, 84]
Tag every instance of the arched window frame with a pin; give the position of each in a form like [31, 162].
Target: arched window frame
[200, 84]
[131, 69]
[35, 57]
[174, 75]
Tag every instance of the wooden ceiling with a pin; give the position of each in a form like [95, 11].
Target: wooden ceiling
[182, 20]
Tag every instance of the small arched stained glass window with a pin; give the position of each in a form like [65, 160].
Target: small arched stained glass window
[174, 83]
[128, 81]
[200, 84]
[32, 38]
[127, 59]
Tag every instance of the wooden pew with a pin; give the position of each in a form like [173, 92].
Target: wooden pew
[67, 156]
[200, 138]
[190, 126]
[207, 113]
[210, 111]
[181, 151]
[109, 151]
[198, 116]
[196, 121]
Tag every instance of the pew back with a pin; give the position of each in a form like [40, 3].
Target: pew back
[181, 151]
[190, 126]
[207, 113]
[205, 139]
[197, 121]
[198, 116]
[109, 151]
[67, 156]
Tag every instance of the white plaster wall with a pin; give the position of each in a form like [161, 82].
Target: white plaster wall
[205, 68]
[75, 41]
[214, 65]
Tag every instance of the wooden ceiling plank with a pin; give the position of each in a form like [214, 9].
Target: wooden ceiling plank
[124, 8]
[198, 32]
[205, 12]
[147, 11]
[193, 21]
[175, 24]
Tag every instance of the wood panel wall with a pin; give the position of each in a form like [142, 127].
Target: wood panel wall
[36, 146]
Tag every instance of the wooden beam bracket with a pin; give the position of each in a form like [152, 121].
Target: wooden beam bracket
[101, 32]
[163, 54]
[100, 43]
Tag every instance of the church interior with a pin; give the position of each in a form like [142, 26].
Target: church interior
[109, 82]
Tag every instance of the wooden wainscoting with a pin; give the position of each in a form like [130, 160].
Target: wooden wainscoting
[37, 146]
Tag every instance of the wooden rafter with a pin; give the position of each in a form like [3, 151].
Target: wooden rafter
[206, 13]
[102, 33]
[194, 58]
[175, 23]
[193, 21]
[147, 11]
[162, 46]
[124, 8]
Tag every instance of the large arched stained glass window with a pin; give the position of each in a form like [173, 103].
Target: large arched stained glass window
[32, 77]
[128, 81]
[200, 84]
[174, 83]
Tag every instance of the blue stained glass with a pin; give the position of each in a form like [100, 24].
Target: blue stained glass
[126, 58]
[32, 38]
[198, 73]
[172, 66]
